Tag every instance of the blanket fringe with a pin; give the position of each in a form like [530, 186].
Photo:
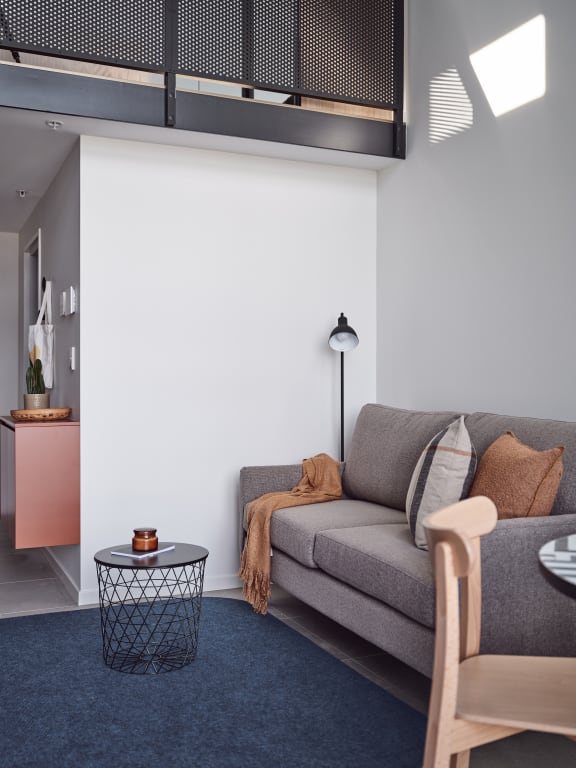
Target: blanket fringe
[256, 589]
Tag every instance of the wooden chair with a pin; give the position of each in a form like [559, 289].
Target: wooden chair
[476, 698]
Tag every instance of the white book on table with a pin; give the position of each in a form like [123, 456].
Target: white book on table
[144, 555]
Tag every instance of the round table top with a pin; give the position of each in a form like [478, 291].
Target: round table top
[558, 557]
[175, 554]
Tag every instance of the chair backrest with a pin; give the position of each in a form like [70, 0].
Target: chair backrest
[454, 541]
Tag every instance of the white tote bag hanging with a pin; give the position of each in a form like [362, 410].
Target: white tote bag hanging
[41, 337]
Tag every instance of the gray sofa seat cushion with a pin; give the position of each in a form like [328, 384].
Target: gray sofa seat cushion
[381, 561]
[385, 448]
[541, 434]
[293, 529]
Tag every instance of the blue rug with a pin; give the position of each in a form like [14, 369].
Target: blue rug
[258, 695]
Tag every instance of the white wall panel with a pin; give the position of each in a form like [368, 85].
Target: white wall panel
[210, 283]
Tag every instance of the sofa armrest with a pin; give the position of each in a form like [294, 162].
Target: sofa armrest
[256, 481]
[522, 612]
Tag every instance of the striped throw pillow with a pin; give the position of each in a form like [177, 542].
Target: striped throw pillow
[443, 476]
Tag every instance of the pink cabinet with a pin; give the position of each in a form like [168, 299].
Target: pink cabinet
[40, 482]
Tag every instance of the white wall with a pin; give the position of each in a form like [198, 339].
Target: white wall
[210, 283]
[58, 216]
[477, 234]
[9, 389]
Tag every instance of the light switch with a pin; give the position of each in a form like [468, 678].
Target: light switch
[73, 304]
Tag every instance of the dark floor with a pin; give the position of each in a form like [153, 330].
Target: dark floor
[29, 585]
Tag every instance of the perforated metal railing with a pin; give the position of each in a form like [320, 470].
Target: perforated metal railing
[127, 33]
[212, 39]
[344, 50]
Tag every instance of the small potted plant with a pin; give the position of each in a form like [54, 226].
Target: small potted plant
[36, 395]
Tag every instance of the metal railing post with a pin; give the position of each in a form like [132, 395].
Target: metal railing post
[171, 60]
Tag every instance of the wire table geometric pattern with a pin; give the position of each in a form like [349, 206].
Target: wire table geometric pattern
[150, 608]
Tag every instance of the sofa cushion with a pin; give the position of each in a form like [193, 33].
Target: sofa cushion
[384, 450]
[542, 434]
[293, 529]
[442, 476]
[381, 561]
[520, 480]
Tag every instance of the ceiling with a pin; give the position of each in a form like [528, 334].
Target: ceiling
[31, 153]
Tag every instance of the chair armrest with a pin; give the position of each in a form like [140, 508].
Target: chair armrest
[522, 612]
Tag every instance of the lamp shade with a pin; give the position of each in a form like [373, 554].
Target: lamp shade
[343, 338]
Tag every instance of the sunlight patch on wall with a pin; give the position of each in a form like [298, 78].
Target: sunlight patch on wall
[512, 69]
[450, 109]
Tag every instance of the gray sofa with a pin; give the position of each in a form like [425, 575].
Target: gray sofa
[355, 561]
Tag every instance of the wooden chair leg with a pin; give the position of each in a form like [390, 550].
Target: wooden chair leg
[460, 760]
[437, 751]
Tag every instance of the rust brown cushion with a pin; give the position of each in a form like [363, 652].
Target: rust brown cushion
[520, 480]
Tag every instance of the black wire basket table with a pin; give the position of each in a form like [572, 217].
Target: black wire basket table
[150, 607]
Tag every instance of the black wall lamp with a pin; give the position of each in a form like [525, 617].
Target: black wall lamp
[342, 339]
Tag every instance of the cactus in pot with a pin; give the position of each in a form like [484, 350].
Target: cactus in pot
[36, 395]
[35, 378]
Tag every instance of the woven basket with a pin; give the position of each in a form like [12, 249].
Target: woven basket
[41, 414]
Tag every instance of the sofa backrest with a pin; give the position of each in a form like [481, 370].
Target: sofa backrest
[385, 447]
[541, 434]
[387, 443]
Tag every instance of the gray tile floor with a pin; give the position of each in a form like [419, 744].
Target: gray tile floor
[27, 582]
[29, 585]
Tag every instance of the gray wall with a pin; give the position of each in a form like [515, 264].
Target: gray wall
[477, 233]
[9, 390]
[58, 216]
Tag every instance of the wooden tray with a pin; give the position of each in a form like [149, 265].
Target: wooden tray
[41, 414]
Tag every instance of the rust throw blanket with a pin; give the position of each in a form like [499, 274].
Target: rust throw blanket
[320, 482]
